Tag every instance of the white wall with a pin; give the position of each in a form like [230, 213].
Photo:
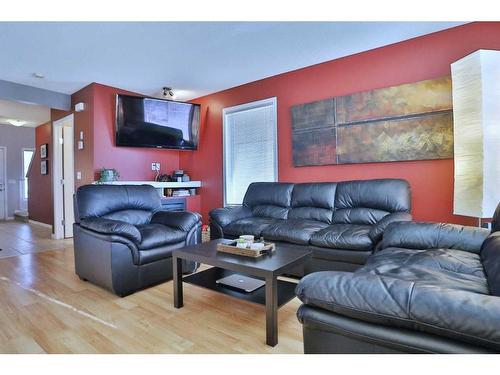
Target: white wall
[15, 139]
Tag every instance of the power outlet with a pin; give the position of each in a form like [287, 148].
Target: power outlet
[155, 166]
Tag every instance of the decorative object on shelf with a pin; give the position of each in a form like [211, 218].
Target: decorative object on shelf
[163, 178]
[406, 122]
[186, 178]
[476, 119]
[44, 151]
[44, 167]
[108, 175]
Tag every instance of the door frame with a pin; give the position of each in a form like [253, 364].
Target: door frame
[6, 192]
[57, 174]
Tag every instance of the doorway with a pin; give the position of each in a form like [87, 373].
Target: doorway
[3, 183]
[63, 177]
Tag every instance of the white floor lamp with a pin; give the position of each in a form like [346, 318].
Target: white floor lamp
[476, 122]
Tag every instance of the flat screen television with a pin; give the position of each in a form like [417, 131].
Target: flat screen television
[157, 123]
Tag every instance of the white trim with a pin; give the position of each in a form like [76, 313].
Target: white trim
[34, 222]
[273, 101]
[57, 154]
[6, 183]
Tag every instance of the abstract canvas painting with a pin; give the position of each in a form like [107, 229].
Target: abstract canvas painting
[406, 122]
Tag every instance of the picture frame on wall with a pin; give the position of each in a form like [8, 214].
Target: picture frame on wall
[44, 167]
[44, 150]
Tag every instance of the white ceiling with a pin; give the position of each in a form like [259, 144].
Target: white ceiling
[195, 58]
[32, 115]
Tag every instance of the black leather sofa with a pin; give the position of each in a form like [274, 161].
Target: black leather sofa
[430, 288]
[341, 222]
[123, 241]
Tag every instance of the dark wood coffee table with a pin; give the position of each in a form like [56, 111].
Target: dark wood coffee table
[268, 267]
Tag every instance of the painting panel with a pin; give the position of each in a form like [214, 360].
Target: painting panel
[422, 97]
[320, 114]
[314, 147]
[416, 138]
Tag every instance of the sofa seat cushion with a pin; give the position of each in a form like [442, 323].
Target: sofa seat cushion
[156, 235]
[158, 253]
[251, 225]
[447, 268]
[292, 230]
[344, 236]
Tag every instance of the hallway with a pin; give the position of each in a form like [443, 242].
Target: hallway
[19, 238]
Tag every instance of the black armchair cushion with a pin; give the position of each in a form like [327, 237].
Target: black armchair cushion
[181, 220]
[414, 235]
[344, 236]
[228, 215]
[156, 235]
[112, 227]
[490, 255]
[109, 200]
[252, 225]
[295, 231]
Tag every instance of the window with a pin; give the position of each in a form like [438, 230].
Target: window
[27, 156]
[250, 147]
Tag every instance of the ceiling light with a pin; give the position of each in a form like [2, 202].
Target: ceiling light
[38, 75]
[16, 122]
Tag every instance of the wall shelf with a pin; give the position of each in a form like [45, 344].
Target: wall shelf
[160, 185]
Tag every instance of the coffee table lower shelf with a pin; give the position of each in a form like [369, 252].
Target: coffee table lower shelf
[207, 279]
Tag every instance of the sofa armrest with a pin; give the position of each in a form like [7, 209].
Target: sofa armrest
[112, 227]
[182, 220]
[422, 236]
[227, 215]
[378, 229]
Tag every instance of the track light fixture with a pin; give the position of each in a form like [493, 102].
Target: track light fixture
[168, 93]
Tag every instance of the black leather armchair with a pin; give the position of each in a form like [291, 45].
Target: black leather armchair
[430, 288]
[123, 241]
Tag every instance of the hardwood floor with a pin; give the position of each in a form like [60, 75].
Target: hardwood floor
[46, 308]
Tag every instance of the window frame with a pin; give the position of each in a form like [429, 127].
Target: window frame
[269, 102]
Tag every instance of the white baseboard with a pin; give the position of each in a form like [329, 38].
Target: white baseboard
[40, 224]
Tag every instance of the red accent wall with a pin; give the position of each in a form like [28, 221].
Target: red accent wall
[40, 205]
[409, 61]
[132, 163]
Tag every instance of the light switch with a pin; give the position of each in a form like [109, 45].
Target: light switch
[81, 135]
[78, 175]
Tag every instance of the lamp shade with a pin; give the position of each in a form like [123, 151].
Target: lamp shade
[476, 129]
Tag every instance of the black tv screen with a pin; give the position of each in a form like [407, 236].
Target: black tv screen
[149, 122]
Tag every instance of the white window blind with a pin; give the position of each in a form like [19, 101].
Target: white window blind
[250, 147]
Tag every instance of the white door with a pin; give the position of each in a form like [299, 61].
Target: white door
[69, 180]
[3, 183]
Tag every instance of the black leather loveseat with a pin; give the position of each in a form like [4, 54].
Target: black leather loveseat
[123, 241]
[431, 288]
[340, 221]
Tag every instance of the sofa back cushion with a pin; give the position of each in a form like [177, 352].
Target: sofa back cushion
[269, 199]
[129, 203]
[367, 202]
[423, 236]
[313, 201]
